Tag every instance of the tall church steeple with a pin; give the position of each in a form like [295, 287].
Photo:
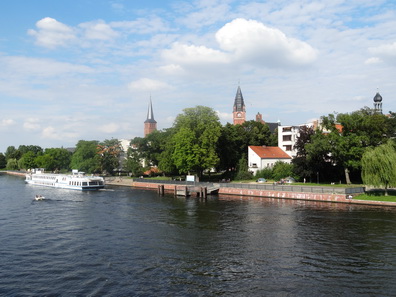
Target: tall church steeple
[239, 111]
[150, 124]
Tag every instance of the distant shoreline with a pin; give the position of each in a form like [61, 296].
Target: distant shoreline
[332, 198]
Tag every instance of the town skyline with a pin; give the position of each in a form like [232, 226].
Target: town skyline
[75, 71]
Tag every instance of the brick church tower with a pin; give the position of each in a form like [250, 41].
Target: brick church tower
[150, 124]
[239, 111]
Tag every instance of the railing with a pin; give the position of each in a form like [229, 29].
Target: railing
[269, 187]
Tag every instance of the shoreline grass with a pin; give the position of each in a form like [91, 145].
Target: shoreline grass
[376, 197]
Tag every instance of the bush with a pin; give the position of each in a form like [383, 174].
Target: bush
[12, 164]
[265, 173]
[282, 170]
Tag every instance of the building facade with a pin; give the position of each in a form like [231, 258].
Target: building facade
[287, 136]
[260, 157]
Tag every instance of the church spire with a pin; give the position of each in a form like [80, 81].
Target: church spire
[239, 104]
[239, 111]
[150, 124]
[150, 113]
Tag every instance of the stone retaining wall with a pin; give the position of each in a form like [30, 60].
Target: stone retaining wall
[339, 198]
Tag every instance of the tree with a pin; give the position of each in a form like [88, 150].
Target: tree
[28, 160]
[109, 152]
[231, 145]
[61, 158]
[166, 163]
[45, 161]
[282, 170]
[257, 133]
[35, 149]
[196, 132]
[133, 163]
[3, 162]
[235, 139]
[344, 138]
[12, 153]
[301, 167]
[379, 166]
[243, 169]
[12, 164]
[151, 147]
[85, 158]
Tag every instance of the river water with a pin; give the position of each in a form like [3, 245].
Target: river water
[130, 242]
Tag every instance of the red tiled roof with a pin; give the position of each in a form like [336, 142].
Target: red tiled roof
[269, 152]
[153, 170]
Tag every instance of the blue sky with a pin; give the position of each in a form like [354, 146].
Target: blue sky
[86, 69]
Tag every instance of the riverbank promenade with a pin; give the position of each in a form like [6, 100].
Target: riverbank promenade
[296, 192]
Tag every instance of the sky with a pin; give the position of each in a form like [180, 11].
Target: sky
[86, 69]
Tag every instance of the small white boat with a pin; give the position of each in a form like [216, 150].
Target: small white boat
[39, 197]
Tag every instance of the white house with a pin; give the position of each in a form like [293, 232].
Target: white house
[260, 157]
[287, 137]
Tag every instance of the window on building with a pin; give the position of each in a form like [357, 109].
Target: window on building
[287, 137]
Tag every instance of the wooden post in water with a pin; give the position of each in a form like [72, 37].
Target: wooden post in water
[205, 193]
[175, 191]
[161, 190]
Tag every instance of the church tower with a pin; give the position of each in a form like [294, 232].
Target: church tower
[239, 111]
[378, 103]
[150, 124]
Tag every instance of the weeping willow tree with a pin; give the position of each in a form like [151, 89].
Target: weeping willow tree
[379, 166]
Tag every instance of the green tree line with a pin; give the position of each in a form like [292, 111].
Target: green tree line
[88, 156]
[335, 151]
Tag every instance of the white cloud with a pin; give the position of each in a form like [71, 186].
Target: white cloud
[58, 133]
[245, 42]
[98, 30]
[224, 116]
[50, 33]
[32, 124]
[51, 133]
[385, 52]
[110, 128]
[151, 24]
[147, 84]
[373, 60]
[6, 123]
[254, 43]
[191, 54]
[171, 69]
[39, 67]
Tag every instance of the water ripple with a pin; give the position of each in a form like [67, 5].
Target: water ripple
[125, 242]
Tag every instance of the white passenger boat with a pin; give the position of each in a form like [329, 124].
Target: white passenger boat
[75, 181]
